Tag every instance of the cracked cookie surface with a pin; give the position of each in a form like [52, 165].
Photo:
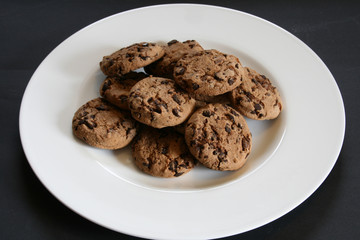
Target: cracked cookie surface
[116, 90]
[256, 97]
[219, 137]
[130, 58]
[162, 153]
[174, 50]
[159, 102]
[208, 72]
[102, 125]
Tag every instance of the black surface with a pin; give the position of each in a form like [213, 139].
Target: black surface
[29, 30]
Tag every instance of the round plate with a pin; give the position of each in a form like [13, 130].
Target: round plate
[291, 155]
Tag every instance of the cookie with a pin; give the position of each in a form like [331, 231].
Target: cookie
[162, 153]
[208, 72]
[102, 125]
[174, 50]
[131, 58]
[159, 102]
[116, 89]
[256, 97]
[219, 137]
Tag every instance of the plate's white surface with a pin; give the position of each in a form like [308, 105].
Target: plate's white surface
[291, 155]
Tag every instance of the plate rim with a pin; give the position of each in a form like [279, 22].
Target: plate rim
[21, 116]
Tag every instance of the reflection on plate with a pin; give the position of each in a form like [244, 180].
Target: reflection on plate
[105, 187]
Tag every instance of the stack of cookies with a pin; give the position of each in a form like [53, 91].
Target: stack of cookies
[178, 104]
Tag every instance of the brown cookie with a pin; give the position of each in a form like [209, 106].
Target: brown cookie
[174, 50]
[256, 97]
[116, 89]
[208, 72]
[218, 136]
[131, 58]
[101, 125]
[162, 153]
[159, 102]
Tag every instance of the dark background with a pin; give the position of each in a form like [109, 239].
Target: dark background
[29, 30]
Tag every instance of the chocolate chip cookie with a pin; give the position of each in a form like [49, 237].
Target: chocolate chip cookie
[208, 72]
[131, 58]
[102, 125]
[116, 90]
[256, 97]
[162, 153]
[218, 136]
[174, 50]
[159, 102]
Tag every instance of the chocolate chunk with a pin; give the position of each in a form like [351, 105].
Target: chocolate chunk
[90, 125]
[231, 117]
[175, 111]
[172, 42]
[206, 113]
[173, 165]
[101, 108]
[222, 156]
[144, 57]
[245, 143]
[129, 55]
[183, 165]
[157, 106]
[135, 94]
[164, 150]
[195, 86]
[234, 112]
[178, 174]
[106, 85]
[176, 99]
[82, 121]
[180, 71]
[227, 128]
[257, 106]
[205, 134]
[231, 81]
[217, 77]
[199, 148]
[249, 95]
[146, 164]
[254, 81]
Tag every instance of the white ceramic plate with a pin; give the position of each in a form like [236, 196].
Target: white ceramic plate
[291, 155]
